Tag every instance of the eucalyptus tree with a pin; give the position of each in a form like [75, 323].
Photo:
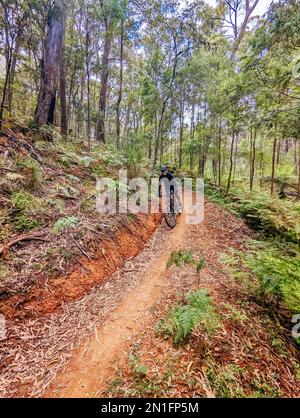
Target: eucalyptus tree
[14, 21]
[51, 63]
[272, 61]
[111, 13]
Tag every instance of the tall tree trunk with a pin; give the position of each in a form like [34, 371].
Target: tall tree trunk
[150, 138]
[252, 157]
[278, 152]
[13, 72]
[150, 147]
[104, 82]
[234, 160]
[13, 38]
[299, 171]
[127, 121]
[181, 123]
[118, 121]
[158, 134]
[71, 87]
[295, 155]
[220, 153]
[205, 144]
[63, 96]
[164, 106]
[239, 36]
[161, 156]
[286, 146]
[231, 162]
[50, 66]
[273, 166]
[8, 67]
[88, 76]
[192, 136]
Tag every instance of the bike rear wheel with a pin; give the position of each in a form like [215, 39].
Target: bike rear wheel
[171, 217]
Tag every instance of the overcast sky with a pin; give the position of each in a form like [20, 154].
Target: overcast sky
[261, 8]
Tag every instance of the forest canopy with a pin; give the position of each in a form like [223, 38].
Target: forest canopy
[212, 90]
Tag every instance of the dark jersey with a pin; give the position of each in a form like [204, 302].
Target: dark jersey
[168, 177]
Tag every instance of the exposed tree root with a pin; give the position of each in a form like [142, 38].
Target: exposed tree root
[20, 144]
[4, 249]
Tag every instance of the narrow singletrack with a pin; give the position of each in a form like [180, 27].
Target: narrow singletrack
[92, 365]
[78, 352]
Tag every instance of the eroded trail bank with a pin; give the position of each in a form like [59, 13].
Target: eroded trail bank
[106, 253]
[240, 358]
[83, 350]
[45, 324]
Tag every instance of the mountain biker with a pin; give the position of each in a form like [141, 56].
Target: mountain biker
[166, 177]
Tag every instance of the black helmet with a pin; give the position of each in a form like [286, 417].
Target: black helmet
[163, 168]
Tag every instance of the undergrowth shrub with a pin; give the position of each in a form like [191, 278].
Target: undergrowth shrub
[181, 257]
[271, 215]
[184, 318]
[178, 258]
[49, 133]
[225, 380]
[65, 223]
[26, 209]
[134, 152]
[109, 155]
[278, 273]
[31, 170]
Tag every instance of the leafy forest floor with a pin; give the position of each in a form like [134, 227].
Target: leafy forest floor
[189, 327]
[201, 310]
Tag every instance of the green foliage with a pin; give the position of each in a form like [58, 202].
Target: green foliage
[278, 272]
[275, 265]
[137, 368]
[178, 258]
[264, 389]
[184, 318]
[98, 170]
[131, 217]
[31, 170]
[49, 133]
[68, 159]
[141, 385]
[217, 196]
[268, 214]
[181, 257]
[65, 223]
[24, 223]
[200, 264]
[226, 380]
[23, 201]
[134, 153]
[234, 313]
[109, 155]
[26, 210]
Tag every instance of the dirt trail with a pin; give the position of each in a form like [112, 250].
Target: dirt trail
[93, 364]
[75, 352]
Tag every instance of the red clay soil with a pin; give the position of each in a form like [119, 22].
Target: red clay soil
[46, 297]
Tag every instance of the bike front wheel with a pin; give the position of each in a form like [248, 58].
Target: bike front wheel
[171, 217]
